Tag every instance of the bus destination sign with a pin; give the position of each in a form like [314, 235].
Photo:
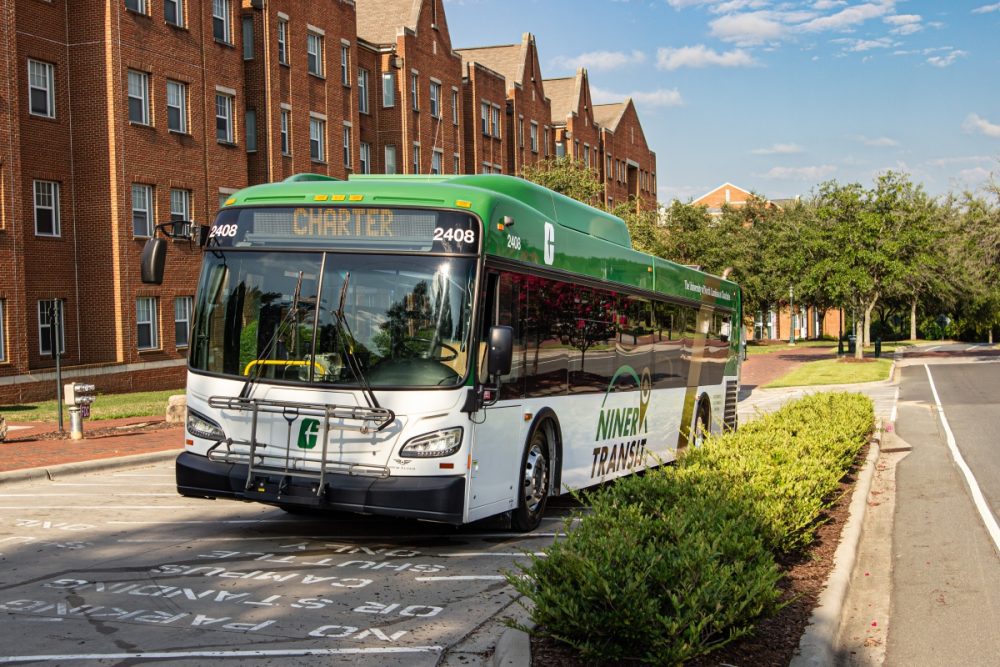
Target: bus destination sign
[359, 227]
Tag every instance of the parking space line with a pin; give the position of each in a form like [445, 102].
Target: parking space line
[465, 577]
[262, 653]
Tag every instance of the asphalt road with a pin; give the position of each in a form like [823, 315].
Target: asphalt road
[116, 568]
[946, 566]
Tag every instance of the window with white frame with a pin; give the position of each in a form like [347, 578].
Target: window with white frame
[182, 321]
[454, 106]
[586, 154]
[485, 168]
[534, 137]
[250, 125]
[286, 146]
[416, 158]
[41, 89]
[363, 91]
[495, 122]
[177, 114]
[345, 64]
[314, 51]
[390, 159]
[51, 311]
[388, 89]
[136, 6]
[348, 162]
[224, 132]
[3, 333]
[282, 42]
[142, 210]
[435, 99]
[436, 157]
[365, 158]
[145, 323]
[608, 173]
[46, 208]
[247, 24]
[415, 90]
[520, 131]
[222, 28]
[180, 204]
[138, 97]
[173, 12]
[545, 140]
[484, 117]
[456, 163]
[317, 139]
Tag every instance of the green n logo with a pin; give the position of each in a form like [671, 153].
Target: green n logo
[308, 433]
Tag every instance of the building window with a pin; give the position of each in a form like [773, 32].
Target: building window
[435, 99]
[436, 157]
[138, 97]
[145, 323]
[485, 168]
[390, 159]
[454, 107]
[286, 146]
[224, 118]
[46, 208]
[41, 89]
[348, 162]
[221, 27]
[608, 174]
[282, 42]
[545, 140]
[3, 350]
[314, 49]
[247, 38]
[484, 117]
[173, 12]
[560, 149]
[345, 64]
[415, 90]
[388, 89]
[416, 159]
[136, 6]
[51, 311]
[142, 213]
[317, 139]
[534, 137]
[182, 321]
[365, 158]
[456, 164]
[180, 204]
[520, 131]
[177, 119]
[495, 125]
[363, 91]
[251, 130]
[586, 154]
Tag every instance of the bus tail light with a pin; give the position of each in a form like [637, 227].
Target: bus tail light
[438, 443]
[203, 427]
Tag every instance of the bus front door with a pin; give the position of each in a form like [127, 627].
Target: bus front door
[496, 455]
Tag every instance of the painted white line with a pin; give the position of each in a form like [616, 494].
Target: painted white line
[467, 577]
[160, 655]
[477, 554]
[931, 348]
[977, 495]
[87, 495]
[895, 401]
[104, 485]
[109, 506]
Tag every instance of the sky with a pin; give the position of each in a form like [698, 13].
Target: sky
[777, 97]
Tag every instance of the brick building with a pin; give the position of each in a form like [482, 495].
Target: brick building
[629, 167]
[123, 114]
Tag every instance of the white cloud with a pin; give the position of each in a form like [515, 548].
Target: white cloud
[861, 45]
[976, 124]
[600, 61]
[904, 24]
[701, 56]
[974, 176]
[947, 60]
[662, 97]
[963, 159]
[878, 142]
[823, 5]
[849, 16]
[778, 149]
[749, 28]
[986, 9]
[813, 173]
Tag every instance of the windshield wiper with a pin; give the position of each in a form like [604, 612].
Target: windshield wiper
[347, 343]
[292, 314]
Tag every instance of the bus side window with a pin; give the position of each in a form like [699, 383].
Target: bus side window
[509, 312]
[547, 360]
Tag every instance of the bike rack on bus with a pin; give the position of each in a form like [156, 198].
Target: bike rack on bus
[362, 419]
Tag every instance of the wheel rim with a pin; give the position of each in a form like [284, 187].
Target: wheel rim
[700, 430]
[536, 475]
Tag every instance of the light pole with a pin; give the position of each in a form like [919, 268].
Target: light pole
[791, 315]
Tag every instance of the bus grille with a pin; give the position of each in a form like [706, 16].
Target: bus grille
[729, 415]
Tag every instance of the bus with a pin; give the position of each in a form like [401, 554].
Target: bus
[446, 348]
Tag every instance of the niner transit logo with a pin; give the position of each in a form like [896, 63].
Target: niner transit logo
[308, 433]
[622, 429]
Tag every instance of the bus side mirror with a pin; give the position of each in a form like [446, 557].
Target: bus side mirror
[154, 258]
[501, 351]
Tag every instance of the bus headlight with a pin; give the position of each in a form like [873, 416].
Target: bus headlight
[203, 427]
[437, 443]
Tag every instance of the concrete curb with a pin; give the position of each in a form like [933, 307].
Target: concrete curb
[817, 647]
[513, 648]
[82, 467]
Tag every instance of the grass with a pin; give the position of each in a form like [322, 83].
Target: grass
[106, 406]
[753, 349]
[834, 371]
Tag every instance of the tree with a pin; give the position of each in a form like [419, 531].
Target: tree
[643, 226]
[567, 176]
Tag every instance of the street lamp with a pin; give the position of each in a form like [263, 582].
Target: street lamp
[791, 315]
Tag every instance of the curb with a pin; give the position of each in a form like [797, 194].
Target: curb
[513, 648]
[82, 467]
[817, 647]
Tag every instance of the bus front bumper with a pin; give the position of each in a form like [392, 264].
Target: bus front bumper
[434, 498]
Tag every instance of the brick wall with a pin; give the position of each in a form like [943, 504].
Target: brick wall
[485, 150]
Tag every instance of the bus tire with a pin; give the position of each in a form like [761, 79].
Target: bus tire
[702, 422]
[534, 479]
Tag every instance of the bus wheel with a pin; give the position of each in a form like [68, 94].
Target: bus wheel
[533, 485]
[701, 424]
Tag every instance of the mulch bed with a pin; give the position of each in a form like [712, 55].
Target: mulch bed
[93, 432]
[775, 639]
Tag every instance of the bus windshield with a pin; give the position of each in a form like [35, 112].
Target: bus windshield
[273, 315]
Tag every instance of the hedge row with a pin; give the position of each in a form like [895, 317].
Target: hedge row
[675, 563]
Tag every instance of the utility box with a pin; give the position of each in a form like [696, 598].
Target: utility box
[80, 395]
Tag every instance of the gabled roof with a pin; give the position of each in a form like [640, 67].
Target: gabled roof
[609, 115]
[506, 60]
[379, 20]
[565, 96]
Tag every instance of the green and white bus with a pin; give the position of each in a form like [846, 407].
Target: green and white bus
[446, 348]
